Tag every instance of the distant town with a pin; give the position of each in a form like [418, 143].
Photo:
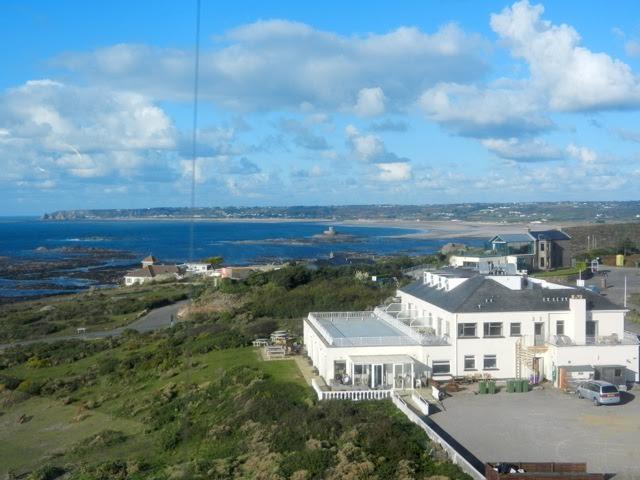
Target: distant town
[598, 212]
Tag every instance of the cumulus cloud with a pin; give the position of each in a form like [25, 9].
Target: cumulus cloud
[573, 77]
[370, 148]
[523, 151]
[85, 132]
[492, 112]
[282, 64]
[394, 172]
[370, 102]
[584, 155]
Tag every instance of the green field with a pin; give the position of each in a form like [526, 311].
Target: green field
[194, 402]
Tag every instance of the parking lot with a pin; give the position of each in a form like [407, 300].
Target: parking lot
[546, 425]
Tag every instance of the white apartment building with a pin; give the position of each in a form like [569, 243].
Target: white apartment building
[457, 322]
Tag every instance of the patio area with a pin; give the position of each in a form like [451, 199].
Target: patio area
[376, 372]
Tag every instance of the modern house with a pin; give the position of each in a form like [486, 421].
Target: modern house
[151, 271]
[529, 251]
[460, 323]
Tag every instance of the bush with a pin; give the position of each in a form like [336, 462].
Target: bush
[30, 386]
[9, 382]
[47, 472]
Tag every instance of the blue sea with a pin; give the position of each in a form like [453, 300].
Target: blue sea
[239, 243]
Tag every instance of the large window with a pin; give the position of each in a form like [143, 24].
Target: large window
[560, 327]
[469, 362]
[441, 367]
[490, 362]
[493, 329]
[466, 330]
[516, 329]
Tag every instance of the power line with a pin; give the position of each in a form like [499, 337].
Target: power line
[194, 135]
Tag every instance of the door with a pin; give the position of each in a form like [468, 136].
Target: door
[538, 332]
[377, 376]
[591, 331]
[538, 369]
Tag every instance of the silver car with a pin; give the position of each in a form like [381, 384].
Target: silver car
[599, 392]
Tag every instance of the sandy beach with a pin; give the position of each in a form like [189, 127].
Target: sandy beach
[455, 228]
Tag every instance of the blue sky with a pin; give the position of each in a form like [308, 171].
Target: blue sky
[318, 103]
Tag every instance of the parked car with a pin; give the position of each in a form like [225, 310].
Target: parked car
[593, 288]
[599, 392]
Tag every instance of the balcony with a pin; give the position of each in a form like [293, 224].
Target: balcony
[628, 338]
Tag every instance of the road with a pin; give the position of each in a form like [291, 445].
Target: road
[156, 319]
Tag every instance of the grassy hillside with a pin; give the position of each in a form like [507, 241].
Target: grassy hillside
[195, 402]
[610, 238]
[99, 310]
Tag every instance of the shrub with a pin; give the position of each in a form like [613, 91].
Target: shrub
[30, 386]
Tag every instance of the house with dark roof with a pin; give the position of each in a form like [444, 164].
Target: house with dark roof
[151, 271]
[458, 322]
[527, 251]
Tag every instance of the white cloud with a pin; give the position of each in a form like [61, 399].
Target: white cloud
[585, 155]
[498, 111]
[522, 151]
[370, 102]
[394, 172]
[573, 77]
[370, 148]
[282, 64]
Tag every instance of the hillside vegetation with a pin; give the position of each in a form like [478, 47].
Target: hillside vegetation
[195, 402]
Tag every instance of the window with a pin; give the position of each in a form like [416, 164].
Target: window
[469, 362]
[542, 247]
[515, 329]
[466, 330]
[490, 362]
[430, 319]
[493, 329]
[440, 367]
[542, 262]
[560, 327]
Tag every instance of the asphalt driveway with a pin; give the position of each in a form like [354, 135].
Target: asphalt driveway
[546, 426]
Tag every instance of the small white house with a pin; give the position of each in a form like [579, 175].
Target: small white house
[199, 268]
[457, 323]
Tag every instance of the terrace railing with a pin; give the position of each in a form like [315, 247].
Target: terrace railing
[398, 324]
[354, 395]
[627, 338]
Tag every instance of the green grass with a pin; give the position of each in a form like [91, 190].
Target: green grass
[561, 272]
[51, 430]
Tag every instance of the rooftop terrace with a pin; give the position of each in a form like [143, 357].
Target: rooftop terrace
[368, 328]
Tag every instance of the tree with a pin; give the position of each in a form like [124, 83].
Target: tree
[214, 261]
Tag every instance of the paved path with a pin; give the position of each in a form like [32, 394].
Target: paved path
[156, 319]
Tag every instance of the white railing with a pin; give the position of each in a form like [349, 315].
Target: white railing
[372, 341]
[316, 324]
[407, 330]
[453, 454]
[421, 403]
[628, 338]
[354, 395]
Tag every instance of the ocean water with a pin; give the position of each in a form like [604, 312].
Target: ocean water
[239, 243]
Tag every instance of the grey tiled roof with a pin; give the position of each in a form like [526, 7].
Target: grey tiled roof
[550, 235]
[494, 297]
[514, 237]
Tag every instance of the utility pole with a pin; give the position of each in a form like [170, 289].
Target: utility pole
[625, 291]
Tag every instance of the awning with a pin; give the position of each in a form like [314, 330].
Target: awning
[371, 359]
